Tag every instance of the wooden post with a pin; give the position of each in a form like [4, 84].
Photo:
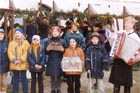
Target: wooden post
[5, 24]
[53, 6]
[40, 5]
[88, 9]
[117, 24]
[12, 24]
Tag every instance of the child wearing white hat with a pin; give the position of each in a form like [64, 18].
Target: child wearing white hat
[36, 59]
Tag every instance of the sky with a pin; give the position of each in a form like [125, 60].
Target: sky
[100, 6]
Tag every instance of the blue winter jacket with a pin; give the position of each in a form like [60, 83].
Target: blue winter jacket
[54, 58]
[96, 60]
[32, 60]
[4, 61]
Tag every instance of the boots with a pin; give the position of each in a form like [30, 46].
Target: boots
[116, 89]
[126, 89]
[53, 91]
[58, 91]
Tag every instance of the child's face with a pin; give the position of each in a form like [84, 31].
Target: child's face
[95, 28]
[35, 41]
[74, 28]
[95, 40]
[73, 43]
[1, 36]
[55, 33]
[18, 35]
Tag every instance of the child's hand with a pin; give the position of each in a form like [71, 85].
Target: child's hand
[17, 62]
[62, 49]
[40, 66]
[49, 48]
[37, 66]
[89, 71]
[104, 71]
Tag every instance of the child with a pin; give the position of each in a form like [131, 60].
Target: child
[96, 61]
[17, 52]
[54, 49]
[4, 62]
[36, 59]
[73, 78]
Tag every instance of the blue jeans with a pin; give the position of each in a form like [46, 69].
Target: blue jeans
[17, 76]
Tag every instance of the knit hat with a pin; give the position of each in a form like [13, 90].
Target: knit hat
[19, 30]
[36, 37]
[1, 30]
[95, 34]
[76, 39]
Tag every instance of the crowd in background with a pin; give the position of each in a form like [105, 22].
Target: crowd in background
[35, 51]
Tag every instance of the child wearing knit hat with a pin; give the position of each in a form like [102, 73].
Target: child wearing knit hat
[19, 33]
[17, 52]
[4, 62]
[36, 59]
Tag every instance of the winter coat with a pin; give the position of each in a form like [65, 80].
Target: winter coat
[96, 60]
[79, 36]
[4, 61]
[30, 31]
[40, 59]
[75, 52]
[54, 58]
[17, 50]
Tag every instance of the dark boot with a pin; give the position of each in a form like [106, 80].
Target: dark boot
[95, 84]
[53, 91]
[126, 89]
[116, 89]
[58, 91]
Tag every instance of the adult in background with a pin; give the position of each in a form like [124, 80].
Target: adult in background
[121, 73]
[31, 30]
[43, 26]
[84, 27]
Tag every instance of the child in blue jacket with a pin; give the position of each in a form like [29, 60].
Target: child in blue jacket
[4, 62]
[36, 59]
[96, 61]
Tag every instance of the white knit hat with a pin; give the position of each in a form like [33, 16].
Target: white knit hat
[36, 37]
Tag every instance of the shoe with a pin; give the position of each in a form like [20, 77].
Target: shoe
[58, 91]
[53, 91]
[14, 92]
[95, 85]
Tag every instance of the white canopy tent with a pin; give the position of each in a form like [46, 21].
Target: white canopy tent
[100, 6]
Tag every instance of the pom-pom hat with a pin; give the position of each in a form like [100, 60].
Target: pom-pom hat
[19, 30]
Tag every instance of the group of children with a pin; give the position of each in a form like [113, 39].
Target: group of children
[23, 56]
